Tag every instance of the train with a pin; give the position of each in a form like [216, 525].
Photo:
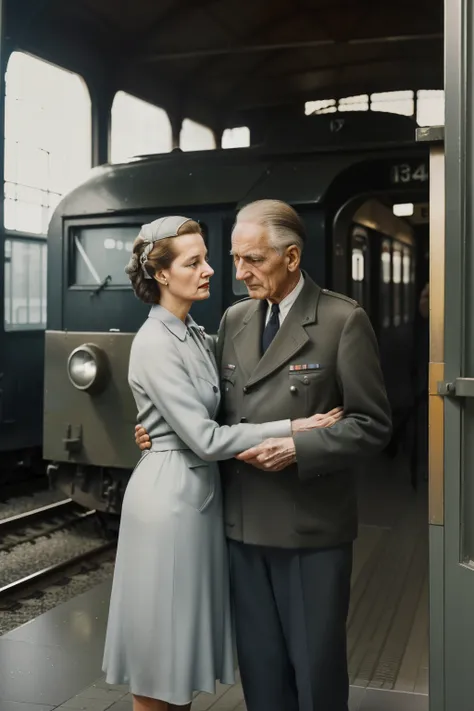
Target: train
[22, 324]
[342, 173]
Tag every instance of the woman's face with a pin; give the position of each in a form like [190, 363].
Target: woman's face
[189, 274]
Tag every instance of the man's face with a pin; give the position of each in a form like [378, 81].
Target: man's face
[267, 274]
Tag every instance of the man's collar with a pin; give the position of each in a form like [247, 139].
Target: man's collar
[293, 295]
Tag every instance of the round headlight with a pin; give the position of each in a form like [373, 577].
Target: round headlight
[87, 367]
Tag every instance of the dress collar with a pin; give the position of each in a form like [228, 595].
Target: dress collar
[177, 327]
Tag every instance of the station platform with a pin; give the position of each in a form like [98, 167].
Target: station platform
[55, 660]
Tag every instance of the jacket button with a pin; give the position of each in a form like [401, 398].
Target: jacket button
[293, 389]
[215, 388]
[243, 419]
[246, 389]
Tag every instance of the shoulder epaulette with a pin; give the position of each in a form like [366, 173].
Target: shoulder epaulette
[337, 295]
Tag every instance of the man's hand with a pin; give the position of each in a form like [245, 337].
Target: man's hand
[277, 453]
[142, 438]
[273, 454]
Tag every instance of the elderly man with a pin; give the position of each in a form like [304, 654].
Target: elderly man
[293, 349]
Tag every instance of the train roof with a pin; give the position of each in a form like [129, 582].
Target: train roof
[298, 174]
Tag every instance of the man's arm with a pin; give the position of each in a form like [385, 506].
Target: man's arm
[366, 425]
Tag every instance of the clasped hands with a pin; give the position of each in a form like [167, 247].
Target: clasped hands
[273, 454]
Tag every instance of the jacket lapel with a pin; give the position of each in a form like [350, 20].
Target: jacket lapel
[290, 339]
[247, 341]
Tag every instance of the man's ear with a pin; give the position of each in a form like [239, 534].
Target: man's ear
[293, 256]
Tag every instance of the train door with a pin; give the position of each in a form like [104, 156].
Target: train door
[451, 511]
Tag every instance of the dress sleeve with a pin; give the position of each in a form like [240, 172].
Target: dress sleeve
[159, 373]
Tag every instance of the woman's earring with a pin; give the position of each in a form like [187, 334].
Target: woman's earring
[166, 282]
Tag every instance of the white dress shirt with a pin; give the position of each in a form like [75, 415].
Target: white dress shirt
[286, 303]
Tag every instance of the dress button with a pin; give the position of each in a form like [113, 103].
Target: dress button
[215, 388]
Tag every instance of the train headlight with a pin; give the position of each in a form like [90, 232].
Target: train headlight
[87, 368]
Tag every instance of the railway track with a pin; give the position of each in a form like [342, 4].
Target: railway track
[31, 525]
[10, 592]
[28, 528]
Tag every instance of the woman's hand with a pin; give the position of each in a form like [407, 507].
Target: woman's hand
[142, 438]
[326, 419]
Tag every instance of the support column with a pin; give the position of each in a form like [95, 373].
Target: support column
[101, 98]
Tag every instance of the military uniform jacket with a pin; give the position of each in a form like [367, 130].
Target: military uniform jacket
[324, 355]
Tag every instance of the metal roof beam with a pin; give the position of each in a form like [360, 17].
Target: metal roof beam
[249, 49]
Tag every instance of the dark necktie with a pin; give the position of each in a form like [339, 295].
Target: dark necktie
[271, 329]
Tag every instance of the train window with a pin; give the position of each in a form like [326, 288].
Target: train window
[397, 266]
[25, 285]
[358, 275]
[386, 266]
[397, 280]
[386, 279]
[195, 137]
[357, 264]
[47, 140]
[406, 266]
[137, 128]
[101, 252]
[406, 285]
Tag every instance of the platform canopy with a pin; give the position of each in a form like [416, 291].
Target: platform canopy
[213, 59]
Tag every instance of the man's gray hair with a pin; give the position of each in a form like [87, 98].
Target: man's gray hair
[283, 223]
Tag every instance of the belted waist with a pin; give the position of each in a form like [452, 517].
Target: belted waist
[167, 443]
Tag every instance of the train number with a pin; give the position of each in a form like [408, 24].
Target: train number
[406, 173]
